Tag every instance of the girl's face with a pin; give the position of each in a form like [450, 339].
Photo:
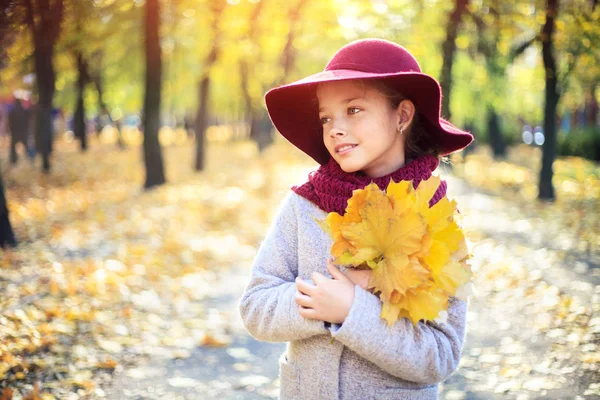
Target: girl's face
[360, 128]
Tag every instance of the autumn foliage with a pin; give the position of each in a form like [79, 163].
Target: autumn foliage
[418, 254]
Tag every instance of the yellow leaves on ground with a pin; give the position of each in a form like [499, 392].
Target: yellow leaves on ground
[105, 270]
[418, 254]
[576, 182]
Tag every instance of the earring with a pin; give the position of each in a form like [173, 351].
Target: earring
[400, 130]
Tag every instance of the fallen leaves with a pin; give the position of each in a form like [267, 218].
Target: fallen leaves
[576, 183]
[103, 262]
[537, 338]
[107, 273]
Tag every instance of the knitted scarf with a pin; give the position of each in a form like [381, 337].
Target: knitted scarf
[329, 187]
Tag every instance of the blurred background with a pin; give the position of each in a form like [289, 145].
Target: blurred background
[140, 171]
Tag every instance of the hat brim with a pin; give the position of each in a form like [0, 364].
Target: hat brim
[293, 109]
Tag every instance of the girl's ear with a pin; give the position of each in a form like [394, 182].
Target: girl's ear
[406, 112]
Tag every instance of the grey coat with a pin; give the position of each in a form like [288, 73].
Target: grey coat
[366, 359]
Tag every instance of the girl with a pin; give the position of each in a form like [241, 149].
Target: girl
[371, 116]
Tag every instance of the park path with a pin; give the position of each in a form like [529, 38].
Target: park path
[533, 322]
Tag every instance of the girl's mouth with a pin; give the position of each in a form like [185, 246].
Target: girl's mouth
[345, 149]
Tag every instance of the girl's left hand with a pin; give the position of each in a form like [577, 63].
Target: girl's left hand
[359, 277]
[329, 300]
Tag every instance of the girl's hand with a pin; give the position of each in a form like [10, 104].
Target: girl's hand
[329, 300]
[359, 277]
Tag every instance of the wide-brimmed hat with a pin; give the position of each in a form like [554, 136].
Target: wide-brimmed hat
[294, 111]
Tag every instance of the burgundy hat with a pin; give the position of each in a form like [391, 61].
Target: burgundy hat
[293, 107]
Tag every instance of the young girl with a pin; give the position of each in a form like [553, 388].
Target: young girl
[371, 116]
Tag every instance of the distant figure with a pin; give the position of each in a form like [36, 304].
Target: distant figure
[188, 126]
[59, 122]
[102, 120]
[119, 127]
[18, 123]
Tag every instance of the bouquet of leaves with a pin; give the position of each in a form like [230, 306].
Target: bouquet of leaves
[418, 255]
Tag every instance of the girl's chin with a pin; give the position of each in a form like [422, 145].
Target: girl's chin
[348, 167]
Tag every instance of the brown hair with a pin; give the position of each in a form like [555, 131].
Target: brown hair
[418, 141]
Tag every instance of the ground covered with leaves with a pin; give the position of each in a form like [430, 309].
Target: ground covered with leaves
[107, 274]
[516, 177]
[106, 271]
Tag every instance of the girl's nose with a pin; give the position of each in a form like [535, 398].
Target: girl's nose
[337, 131]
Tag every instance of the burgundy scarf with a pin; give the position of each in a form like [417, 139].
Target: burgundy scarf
[329, 187]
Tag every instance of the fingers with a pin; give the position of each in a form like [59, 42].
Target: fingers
[318, 278]
[308, 313]
[306, 306]
[303, 300]
[335, 272]
[304, 287]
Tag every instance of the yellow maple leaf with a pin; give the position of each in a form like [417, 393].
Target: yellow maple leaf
[401, 195]
[380, 235]
[396, 274]
[451, 276]
[425, 192]
[439, 216]
[417, 253]
[425, 304]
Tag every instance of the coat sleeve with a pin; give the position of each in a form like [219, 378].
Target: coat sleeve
[427, 353]
[268, 307]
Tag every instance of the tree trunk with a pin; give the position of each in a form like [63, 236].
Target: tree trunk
[201, 116]
[151, 118]
[252, 111]
[97, 79]
[260, 134]
[448, 50]
[204, 86]
[7, 237]
[288, 57]
[247, 98]
[260, 131]
[488, 36]
[45, 84]
[495, 134]
[591, 107]
[546, 189]
[79, 127]
[44, 30]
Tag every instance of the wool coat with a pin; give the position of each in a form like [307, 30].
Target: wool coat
[360, 359]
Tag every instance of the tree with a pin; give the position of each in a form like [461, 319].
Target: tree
[44, 18]
[151, 114]
[546, 188]
[79, 128]
[578, 45]
[260, 125]
[217, 7]
[448, 50]
[78, 40]
[250, 58]
[488, 46]
[96, 40]
[7, 237]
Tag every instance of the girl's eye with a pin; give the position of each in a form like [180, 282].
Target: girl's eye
[353, 110]
[325, 120]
